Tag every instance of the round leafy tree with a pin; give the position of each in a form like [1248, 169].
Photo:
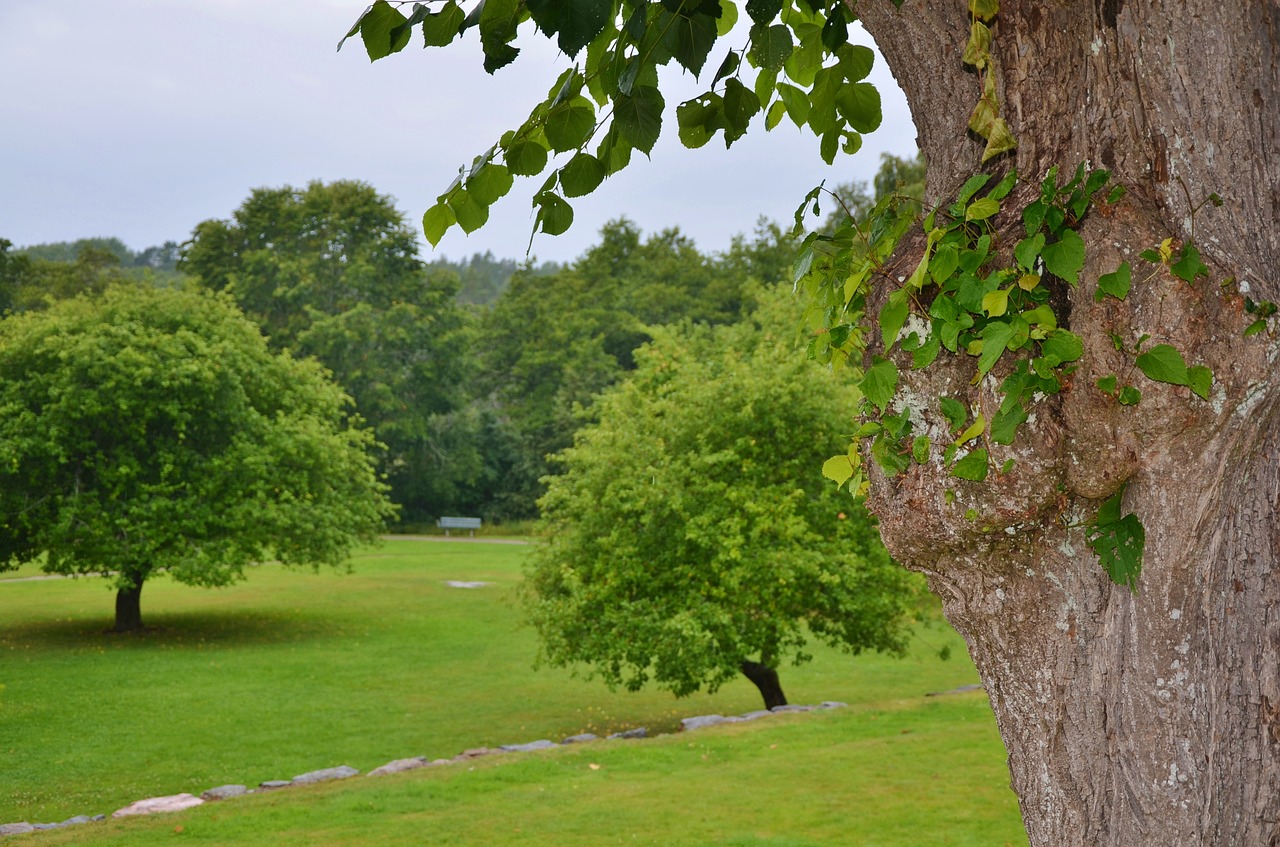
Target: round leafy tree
[148, 431]
[691, 535]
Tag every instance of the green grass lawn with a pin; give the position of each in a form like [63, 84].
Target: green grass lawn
[292, 671]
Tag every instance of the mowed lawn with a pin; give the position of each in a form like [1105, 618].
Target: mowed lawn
[293, 671]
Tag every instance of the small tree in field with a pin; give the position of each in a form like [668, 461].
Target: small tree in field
[152, 431]
[691, 536]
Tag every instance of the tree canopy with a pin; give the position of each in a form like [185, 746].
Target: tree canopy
[147, 431]
[690, 535]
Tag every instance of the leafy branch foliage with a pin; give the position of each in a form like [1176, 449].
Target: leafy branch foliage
[796, 62]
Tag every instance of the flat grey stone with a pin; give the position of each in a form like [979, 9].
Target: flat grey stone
[757, 714]
[40, 827]
[528, 747]
[700, 721]
[16, 828]
[78, 819]
[272, 784]
[792, 708]
[457, 583]
[474, 753]
[224, 792]
[400, 765]
[961, 690]
[638, 732]
[325, 775]
[832, 704]
[581, 738]
[157, 805]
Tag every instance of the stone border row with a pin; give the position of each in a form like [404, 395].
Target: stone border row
[178, 802]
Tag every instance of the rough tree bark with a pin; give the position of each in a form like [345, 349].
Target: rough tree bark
[1130, 719]
[129, 607]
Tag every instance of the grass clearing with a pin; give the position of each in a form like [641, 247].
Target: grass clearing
[292, 671]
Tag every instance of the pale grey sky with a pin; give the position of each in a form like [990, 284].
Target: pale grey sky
[141, 118]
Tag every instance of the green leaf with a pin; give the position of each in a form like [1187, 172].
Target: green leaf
[776, 113]
[740, 105]
[835, 30]
[1004, 426]
[1028, 249]
[893, 316]
[954, 411]
[498, 22]
[376, 27]
[880, 382]
[490, 183]
[1164, 363]
[1118, 542]
[1200, 380]
[555, 216]
[886, 454]
[471, 213]
[638, 117]
[978, 51]
[1255, 327]
[944, 263]
[574, 23]
[996, 303]
[699, 119]
[1189, 266]
[436, 221]
[1107, 384]
[570, 125]
[581, 176]
[856, 61]
[980, 210]
[973, 466]
[440, 28]
[975, 430]
[689, 37]
[926, 353]
[995, 339]
[1065, 257]
[797, 103]
[770, 46]
[859, 104]
[1116, 283]
[838, 469]
[1130, 396]
[920, 449]
[727, 67]
[1062, 346]
[984, 10]
[1005, 185]
[526, 158]
[763, 12]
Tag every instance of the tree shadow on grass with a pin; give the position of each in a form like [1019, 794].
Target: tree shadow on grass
[179, 630]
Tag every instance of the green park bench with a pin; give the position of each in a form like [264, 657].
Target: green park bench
[447, 524]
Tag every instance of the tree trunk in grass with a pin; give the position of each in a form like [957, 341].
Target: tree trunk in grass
[129, 607]
[765, 678]
[1131, 718]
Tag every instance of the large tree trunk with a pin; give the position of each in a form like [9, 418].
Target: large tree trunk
[765, 679]
[1147, 718]
[129, 607]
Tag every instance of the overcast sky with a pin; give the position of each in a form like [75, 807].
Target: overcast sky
[140, 118]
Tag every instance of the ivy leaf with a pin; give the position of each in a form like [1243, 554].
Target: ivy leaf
[880, 382]
[575, 23]
[978, 51]
[973, 466]
[1130, 396]
[996, 303]
[975, 430]
[1000, 139]
[954, 411]
[1118, 542]
[1004, 426]
[1029, 248]
[982, 209]
[1163, 363]
[995, 339]
[436, 221]
[920, 449]
[582, 175]
[984, 10]
[926, 353]
[1189, 266]
[1062, 346]
[893, 316]
[638, 116]
[888, 457]
[1200, 380]
[1107, 384]
[1116, 283]
[1065, 257]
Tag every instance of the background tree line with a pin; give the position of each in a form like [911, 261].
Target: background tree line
[471, 373]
